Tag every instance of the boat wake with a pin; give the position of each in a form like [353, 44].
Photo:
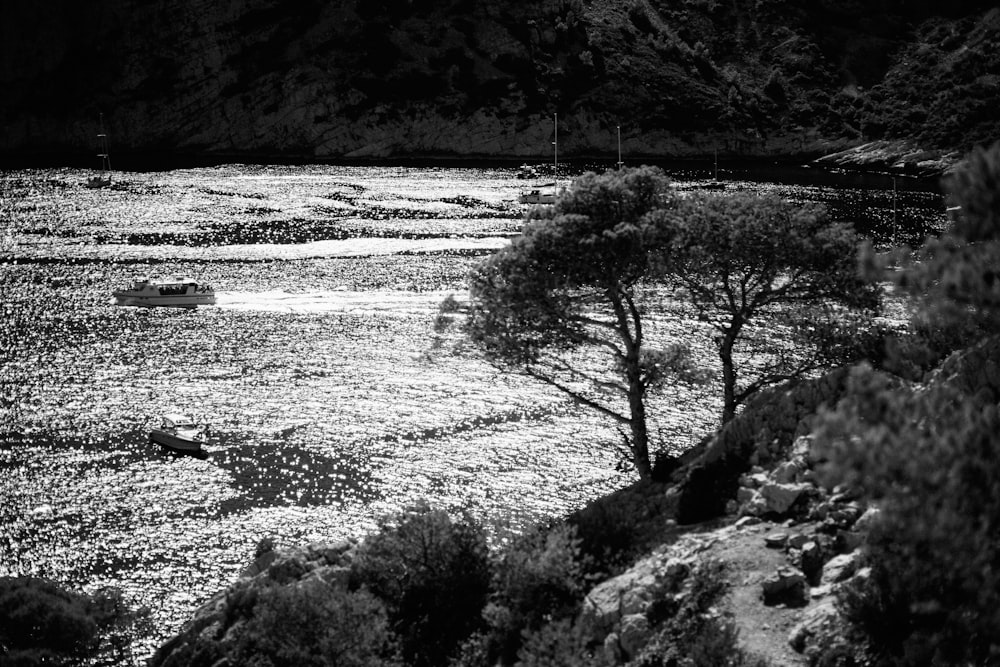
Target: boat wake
[391, 302]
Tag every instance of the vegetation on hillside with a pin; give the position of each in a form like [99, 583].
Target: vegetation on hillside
[926, 452]
[726, 74]
[741, 259]
[42, 623]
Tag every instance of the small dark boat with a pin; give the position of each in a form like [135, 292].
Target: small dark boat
[179, 433]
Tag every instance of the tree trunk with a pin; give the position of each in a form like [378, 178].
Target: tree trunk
[637, 423]
[728, 376]
[631, 337]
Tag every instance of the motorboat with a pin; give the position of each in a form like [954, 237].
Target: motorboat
[180, 433]
[171, 292]
[527, 171]
[544, 194]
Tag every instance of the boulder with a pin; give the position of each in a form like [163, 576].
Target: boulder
[812, 561]
[634, 635]
[840, 567]
[786, 586]
[816, 626]
[779, 498]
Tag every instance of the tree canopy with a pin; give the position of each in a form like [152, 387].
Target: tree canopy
[742, 257]
[568, 284]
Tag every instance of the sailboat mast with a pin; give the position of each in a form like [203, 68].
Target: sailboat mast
[620, 163]
[104, 154]
[555, 148]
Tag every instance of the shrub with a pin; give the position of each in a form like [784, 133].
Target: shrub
[929, 459]
[433, 576]
[538, 578]
[313, 623]
[560, 644]
[614, 530]
[43, 623]
[689, 629]
[928, 455]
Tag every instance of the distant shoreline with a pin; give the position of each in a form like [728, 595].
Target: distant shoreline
[816, 168]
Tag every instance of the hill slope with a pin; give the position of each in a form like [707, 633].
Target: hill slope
[377, 78]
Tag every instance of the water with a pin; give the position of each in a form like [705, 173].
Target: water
[328, 403]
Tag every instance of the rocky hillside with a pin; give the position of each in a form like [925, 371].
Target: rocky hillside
[478, 78]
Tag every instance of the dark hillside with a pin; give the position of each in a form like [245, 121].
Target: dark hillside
[377, 78]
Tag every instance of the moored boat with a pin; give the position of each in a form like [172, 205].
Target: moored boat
[180, 433]
[543, 194]
[175, 293]
[103, 179]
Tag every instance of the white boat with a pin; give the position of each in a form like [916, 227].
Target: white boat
[543, 194]
[103, 179]
[179, 432]
[173, 292]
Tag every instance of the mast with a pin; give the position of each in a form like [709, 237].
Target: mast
[620, 163]
[104, 154]
[555, 149]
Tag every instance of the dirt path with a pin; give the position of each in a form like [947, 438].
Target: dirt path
[764, 630]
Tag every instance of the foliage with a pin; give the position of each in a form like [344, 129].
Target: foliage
[538, 577]
[939, 89]
[433, 575]
[567, 288]
[616, 529]
[43, 623]
[743, 258]
[561, 643]
[928, 455]
[688, 628]
[314, 623]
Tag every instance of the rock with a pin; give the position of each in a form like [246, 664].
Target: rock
[812, 561]
[788, 472]
[776, 540]
[798, 540]
[613, 649]
[840, 567]
[786, 586]
[817, 623]
[634, 635]
[779, 498]
[630, 592]
[865, 521]
[747, 521]
[259, 564]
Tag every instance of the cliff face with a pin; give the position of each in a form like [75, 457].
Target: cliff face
[377, 78]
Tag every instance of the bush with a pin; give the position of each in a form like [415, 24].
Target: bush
[433, 575]
[929, 458]
[928, 455]
[313, 623]
[560, 644]
[614, 530]
[43, 623]
[689, 629]
[538, 578]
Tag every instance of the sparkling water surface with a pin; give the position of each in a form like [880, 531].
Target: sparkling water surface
[328, 402]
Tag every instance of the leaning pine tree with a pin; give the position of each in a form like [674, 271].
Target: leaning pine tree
[561, 302]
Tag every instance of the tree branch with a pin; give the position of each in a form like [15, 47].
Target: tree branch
[583, 400]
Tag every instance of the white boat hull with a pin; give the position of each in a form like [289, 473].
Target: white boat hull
[175, 441]
[174, 293]
[151, 301]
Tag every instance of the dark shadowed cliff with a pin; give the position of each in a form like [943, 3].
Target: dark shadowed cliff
[379, 78]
